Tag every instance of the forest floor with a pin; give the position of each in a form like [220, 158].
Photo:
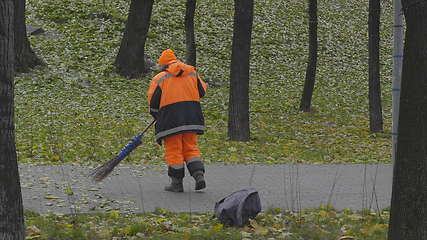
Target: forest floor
[77, 110]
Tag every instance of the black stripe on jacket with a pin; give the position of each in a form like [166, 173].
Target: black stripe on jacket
[179, 118]
[155, 102]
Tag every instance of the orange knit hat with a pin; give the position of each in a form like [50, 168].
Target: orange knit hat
[167, 56]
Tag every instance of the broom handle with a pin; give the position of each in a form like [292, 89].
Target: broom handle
[133, 143]
[147, 127]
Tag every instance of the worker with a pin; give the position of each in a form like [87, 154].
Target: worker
[174, 98]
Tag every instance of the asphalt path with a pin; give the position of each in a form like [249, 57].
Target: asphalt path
[139, 188]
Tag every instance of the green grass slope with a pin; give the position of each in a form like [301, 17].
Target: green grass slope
[78, 110]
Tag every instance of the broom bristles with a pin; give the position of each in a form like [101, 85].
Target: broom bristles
[101, 172]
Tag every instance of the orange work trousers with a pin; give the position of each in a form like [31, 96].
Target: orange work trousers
[181, 148]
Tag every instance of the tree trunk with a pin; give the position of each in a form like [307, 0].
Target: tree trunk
[190, 41]
[408, 218]
[11, 210]
[375, 110]
[25, 58]
[310, 74]
[238, 116]
[130, 61]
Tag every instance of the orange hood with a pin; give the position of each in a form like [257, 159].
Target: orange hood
[179, 68]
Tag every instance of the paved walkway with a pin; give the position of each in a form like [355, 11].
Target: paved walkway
[139, 188]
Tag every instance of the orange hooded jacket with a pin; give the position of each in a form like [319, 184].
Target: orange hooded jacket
[174, 98]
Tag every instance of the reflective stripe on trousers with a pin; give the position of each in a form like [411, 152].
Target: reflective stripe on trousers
[181, 148]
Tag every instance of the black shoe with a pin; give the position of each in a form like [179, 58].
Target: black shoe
[200, 182]
[175, 186]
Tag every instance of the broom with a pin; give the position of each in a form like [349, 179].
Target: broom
[101, 172]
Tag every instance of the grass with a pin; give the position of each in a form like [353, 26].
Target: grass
[323, 223]
[77, 110]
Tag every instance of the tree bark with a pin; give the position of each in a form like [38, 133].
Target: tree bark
[130, 61]
[310, 74]
[375, 109]
[25, 58]
[190, 41]
[238, 116]
[11, 210]
[408, 218]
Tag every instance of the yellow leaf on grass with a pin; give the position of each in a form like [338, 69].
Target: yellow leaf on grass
[52, 197]
[186, 235]
[258, 229]
[69, 191]
[323, 213]
[355, 217]
[127, 230]
[373, 228]
[32, 237]
[114, 214]
[261, 230]
[44, 179]
[33, 230]
[218, 227]
[347, 238]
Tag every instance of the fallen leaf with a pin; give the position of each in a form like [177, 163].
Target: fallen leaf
[33, 230]
[114, 214]
[32, 237]
[258, 229]
[69, 191]
[373, 228]
[52, 197]
[218, 227]
[44, 179]
[347, 238]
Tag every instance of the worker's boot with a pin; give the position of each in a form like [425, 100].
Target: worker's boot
[175, 186]
[200, 180]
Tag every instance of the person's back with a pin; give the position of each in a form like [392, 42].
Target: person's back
[174, 98]
[181, 84]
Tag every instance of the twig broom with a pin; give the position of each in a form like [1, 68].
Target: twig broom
[101, 172]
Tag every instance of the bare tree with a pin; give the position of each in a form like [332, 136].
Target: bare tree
[189, 32]
[408, 218]
[11, 210]
[375, 109]
[130, 61]
[25, 58]
[238, 116]
[310, 74]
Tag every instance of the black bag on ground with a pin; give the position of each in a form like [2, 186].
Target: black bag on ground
[238, 207]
